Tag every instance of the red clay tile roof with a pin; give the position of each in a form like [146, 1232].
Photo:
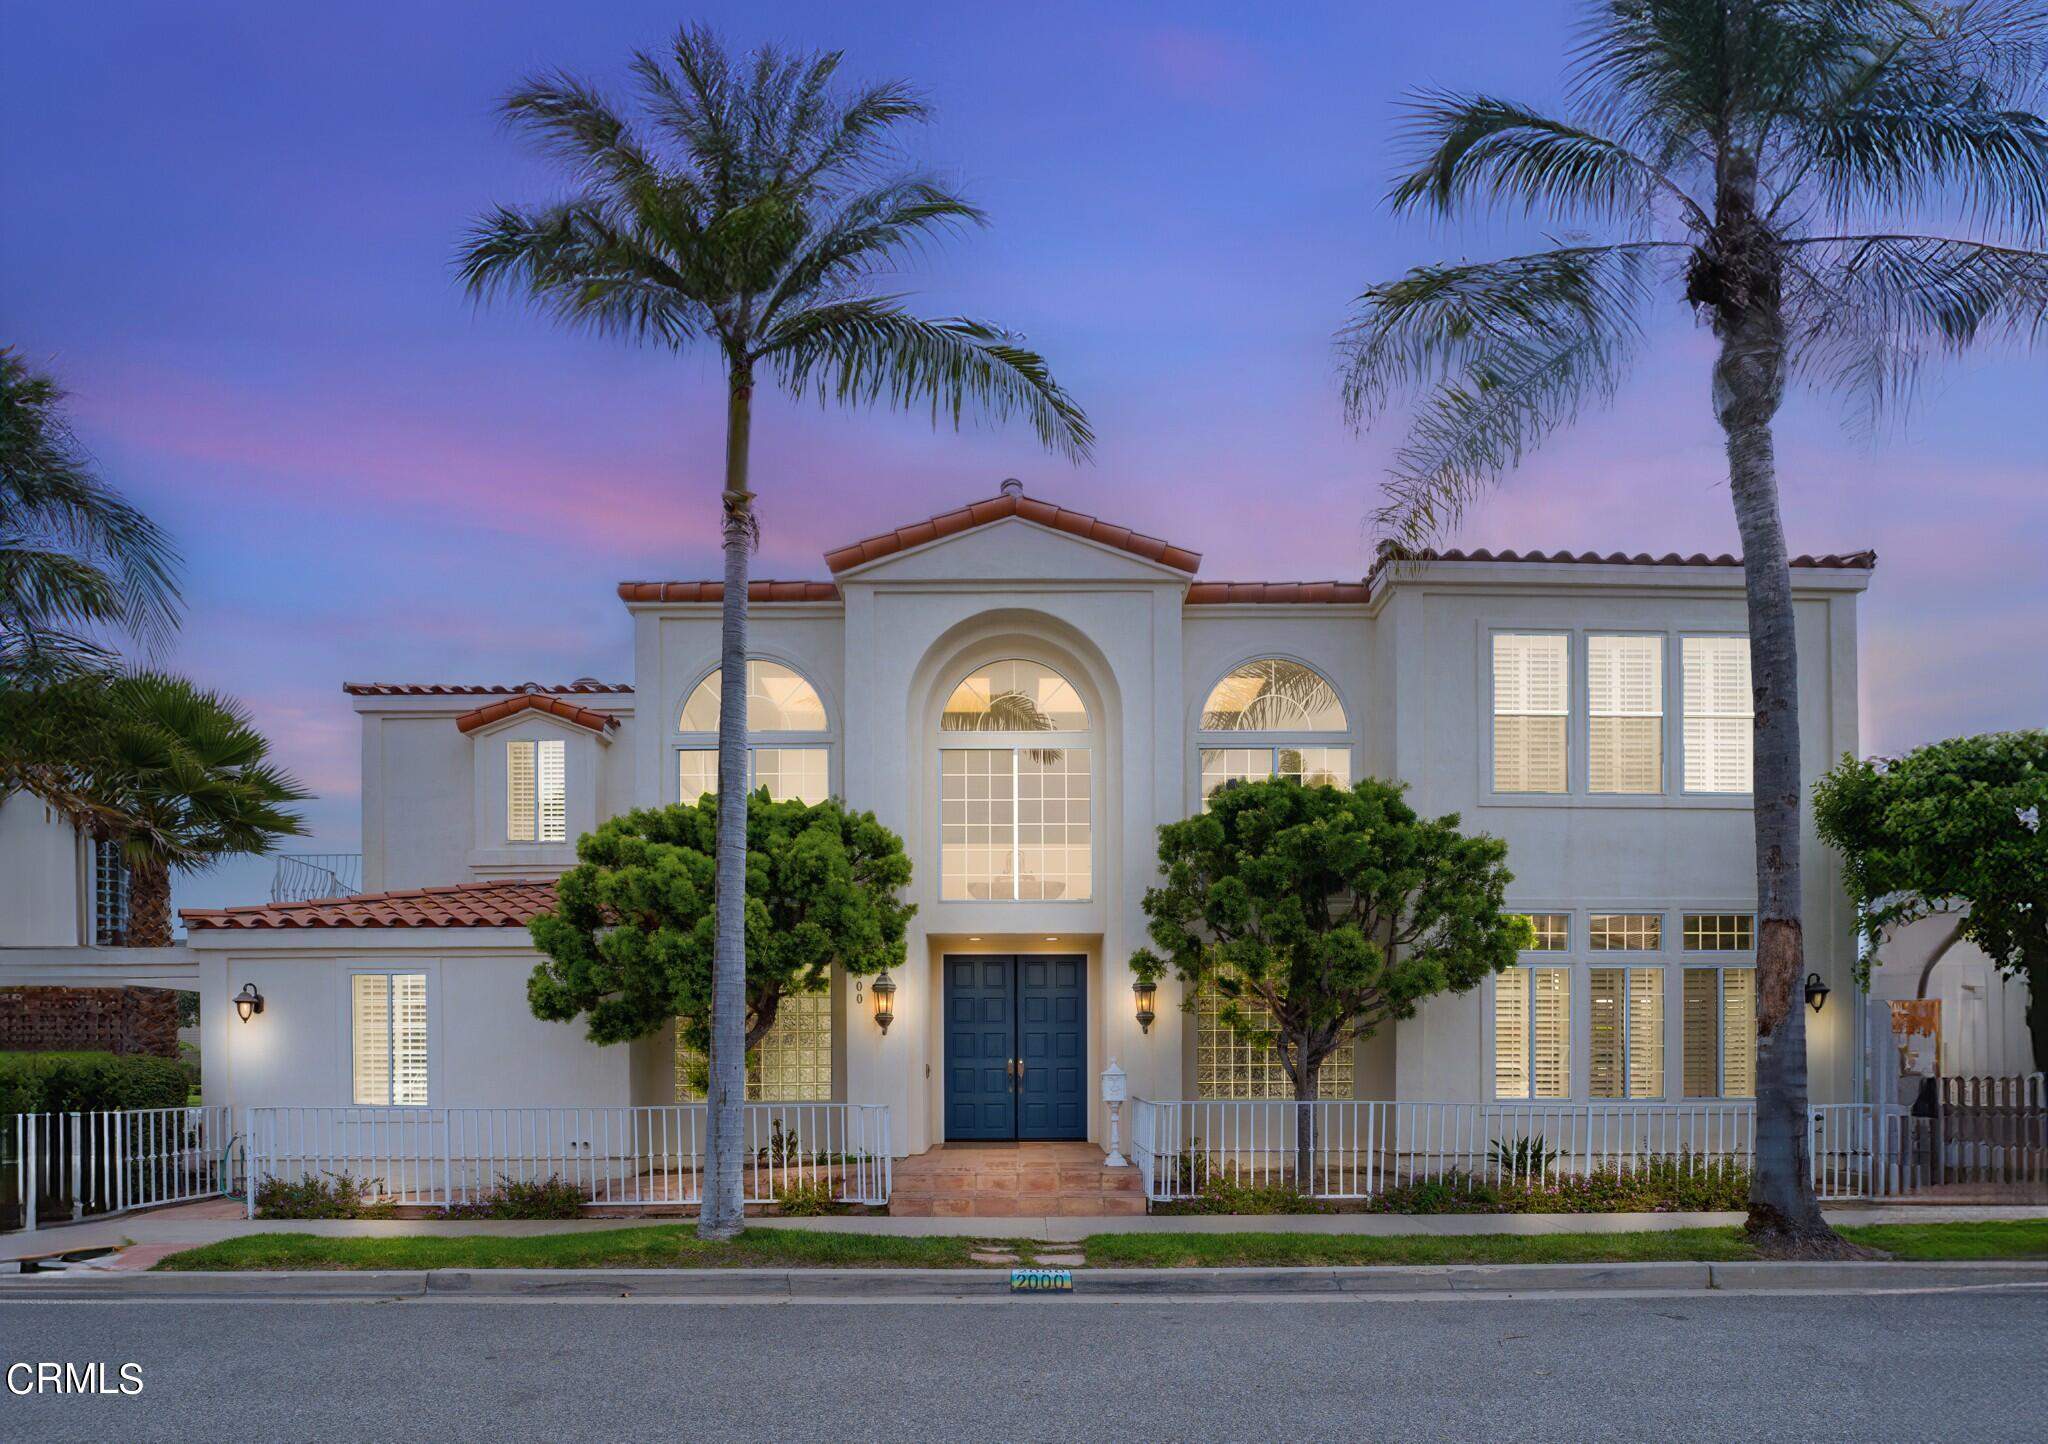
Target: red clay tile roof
[715, 592]
[506, 904]
[1012, 502]
[461, 689]
[1201, 593]
[1838, 561]
[491, 712]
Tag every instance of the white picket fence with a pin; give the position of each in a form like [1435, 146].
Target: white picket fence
[619, 1157]
[1360, 1149]
[56, 1167]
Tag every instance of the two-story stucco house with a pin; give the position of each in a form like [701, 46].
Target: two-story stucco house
[1025, 693]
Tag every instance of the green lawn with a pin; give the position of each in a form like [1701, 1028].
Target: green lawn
[657, 1246]
[677, 1246]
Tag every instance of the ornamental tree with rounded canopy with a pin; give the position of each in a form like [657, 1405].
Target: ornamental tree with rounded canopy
[1320, 913]
[629, 945]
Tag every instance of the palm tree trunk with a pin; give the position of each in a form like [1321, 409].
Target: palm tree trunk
[1749, 384]
[149, 905]
[723, 1211]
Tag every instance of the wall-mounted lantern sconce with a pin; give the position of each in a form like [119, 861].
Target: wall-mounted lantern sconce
[248, 1002]
[1816, 991]
[884, 990]
[1147, 993]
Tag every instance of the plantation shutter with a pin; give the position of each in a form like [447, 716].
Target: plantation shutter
[1719, 726]
[1646, 1033]
[1625, 714]
[554, 791]
[1551, 1033]
[1511, 1034]
[519, 792]
[1702, 1021]
[409, 1039]
[1531, 688]
[1607, 1049]
[1738, 1023]
[370, 1035]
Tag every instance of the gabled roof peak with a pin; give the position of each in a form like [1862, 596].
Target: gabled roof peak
[1012, 502]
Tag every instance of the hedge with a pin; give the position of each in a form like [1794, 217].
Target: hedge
[88, 1082]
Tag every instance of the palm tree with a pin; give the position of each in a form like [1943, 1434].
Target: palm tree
[753, 207]
[1843, 190]
[74, 557]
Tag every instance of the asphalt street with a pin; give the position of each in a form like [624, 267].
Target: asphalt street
[1924, 1366]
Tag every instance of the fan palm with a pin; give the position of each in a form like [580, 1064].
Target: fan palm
[1843, 190]
[753, 206]
[75, 559]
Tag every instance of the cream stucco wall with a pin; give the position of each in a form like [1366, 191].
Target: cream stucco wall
[45, 878]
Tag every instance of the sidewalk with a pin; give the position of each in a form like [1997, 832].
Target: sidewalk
[149, 1236]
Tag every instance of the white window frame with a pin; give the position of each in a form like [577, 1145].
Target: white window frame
[1720, 962]
[1038, 742]
[1661, 716]
[758, 740]
[1686, 714]
[542, 748]
[429, 1035]
[1575, 647]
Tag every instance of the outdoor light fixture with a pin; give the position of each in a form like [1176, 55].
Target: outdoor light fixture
[1816, 991]
[248, 1002]
[884, 990]
[1148, 993]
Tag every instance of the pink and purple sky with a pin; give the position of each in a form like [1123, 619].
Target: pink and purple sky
[229, 230]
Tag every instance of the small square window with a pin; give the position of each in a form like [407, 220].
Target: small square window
[1626, 932]
[1553, 932]
[1720, 932]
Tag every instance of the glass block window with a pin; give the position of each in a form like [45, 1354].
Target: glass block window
[779, 699]
[1720, 932]
[1625, 1042]
[1553, 932]
[1720, 1032]
[1311, 766]
[109, 895]
[797, 774]
[1625, 714]
[1273, 695]
[388, 1038]
[536, 790]
[1626, 932]
[1532, 1035]
[1227, 1066]
[1720, 730]
[791, 1064]
[1531, 708]
[1014, 697]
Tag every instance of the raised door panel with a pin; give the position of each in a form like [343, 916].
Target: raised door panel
[981, 1034]
[1052, 1040]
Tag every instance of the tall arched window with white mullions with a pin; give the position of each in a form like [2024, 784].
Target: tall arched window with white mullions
[788, 749]
[1015, 800]
[1273, 718]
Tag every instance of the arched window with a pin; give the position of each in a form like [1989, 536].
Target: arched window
[1014, 806]
[785, 736]
[1264, 720]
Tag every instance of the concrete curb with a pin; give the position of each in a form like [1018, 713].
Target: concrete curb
[1139, 1283]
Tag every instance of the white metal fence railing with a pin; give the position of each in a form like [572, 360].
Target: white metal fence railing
[56, 1167]
[618, 1157]
[1361, 1149]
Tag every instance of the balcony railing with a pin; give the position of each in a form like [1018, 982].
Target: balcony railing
[303, 876]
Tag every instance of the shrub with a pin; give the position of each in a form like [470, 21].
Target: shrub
[1652, 1185]
[806, 1200]
[1222, 1193]
[1526, 1157]
[551, 1197]
[320, 1195]
[88, 1082]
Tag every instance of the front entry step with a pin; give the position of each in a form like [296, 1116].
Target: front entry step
[1015, 1180]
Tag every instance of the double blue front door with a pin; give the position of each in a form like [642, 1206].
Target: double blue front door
[1016, 1047]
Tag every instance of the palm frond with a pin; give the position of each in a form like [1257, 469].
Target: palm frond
[1871, 312]
[575, 123]
[867, 349]
[1504, 353]
[1901, 155]
[865, 233]
[1493, 151]
[586, 268]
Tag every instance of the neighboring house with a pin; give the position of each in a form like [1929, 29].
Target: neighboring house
[1983, 1008]
[1025, 694]
[62, 889]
